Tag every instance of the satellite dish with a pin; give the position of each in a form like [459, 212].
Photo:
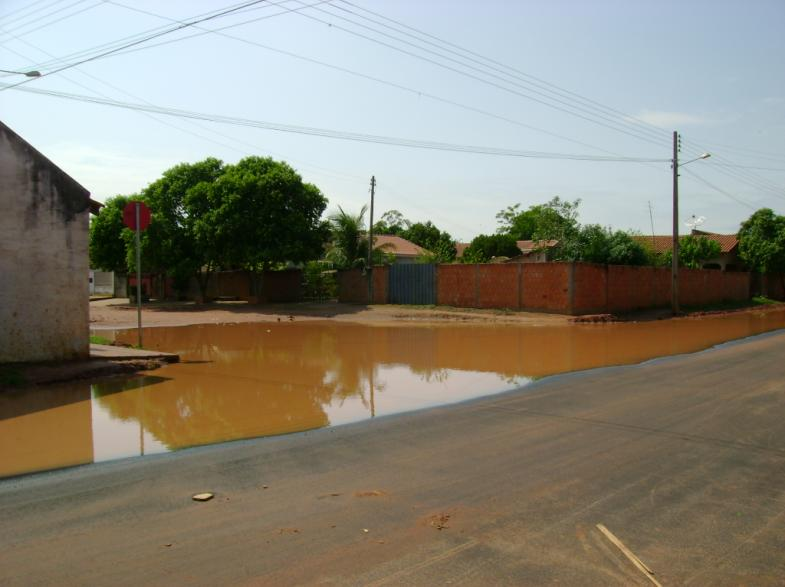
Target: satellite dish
[695, 222]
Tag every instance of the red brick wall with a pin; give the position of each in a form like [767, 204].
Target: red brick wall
[499, 285]
[456, 285]
[698, 287]
[630, 288]
[590, 289]
[353, 286]
[381, 284]
[283, 286]
[545, 286]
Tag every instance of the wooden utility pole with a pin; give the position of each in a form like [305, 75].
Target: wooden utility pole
[675, 247]
[369, 267]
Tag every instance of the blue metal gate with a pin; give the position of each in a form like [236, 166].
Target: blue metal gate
[412, 284]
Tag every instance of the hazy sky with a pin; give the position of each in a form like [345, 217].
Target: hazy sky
[588, 78]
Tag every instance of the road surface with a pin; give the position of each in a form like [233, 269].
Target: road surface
[681, 459]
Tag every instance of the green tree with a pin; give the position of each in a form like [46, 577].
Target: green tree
[349, 248]
[593, 243]
[485, 247]
[695, 250]
[106, 245]
[762, 242]
[557, 219]
[259, 213]
[178, 202]
[391, 222]
[519, 224]
[440, 244]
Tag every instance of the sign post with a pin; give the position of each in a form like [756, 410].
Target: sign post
[136, 216]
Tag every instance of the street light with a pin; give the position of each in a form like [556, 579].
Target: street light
[675, 247]
[32, 73]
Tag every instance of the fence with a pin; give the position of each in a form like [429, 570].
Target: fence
[567, 288]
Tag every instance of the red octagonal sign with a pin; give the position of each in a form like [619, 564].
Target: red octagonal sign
[129, 215]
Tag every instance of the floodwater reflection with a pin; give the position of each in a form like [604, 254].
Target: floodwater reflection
[250, 380]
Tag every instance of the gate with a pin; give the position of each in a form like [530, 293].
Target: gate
[413, 283]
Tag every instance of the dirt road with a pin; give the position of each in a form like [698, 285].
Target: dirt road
[682, 459]
[117, 313]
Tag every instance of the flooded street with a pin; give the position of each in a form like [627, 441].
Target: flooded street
[250, 380]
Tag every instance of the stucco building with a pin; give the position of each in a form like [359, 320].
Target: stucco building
[44, 303]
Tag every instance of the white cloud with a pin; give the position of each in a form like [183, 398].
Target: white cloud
[671, 120]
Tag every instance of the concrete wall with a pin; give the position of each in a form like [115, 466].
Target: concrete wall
[44, 288]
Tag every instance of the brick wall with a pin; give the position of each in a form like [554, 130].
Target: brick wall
[571, 288]
[498, 285]
[278, 286]
[546, 287]
[353, 286]
[456, 285]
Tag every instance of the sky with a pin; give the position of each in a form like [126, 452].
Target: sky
[571, 82]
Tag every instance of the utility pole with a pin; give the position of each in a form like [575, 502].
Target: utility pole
[653, 239]
[675, 247]
[369, 267]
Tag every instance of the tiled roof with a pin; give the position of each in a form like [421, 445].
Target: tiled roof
[663, 243]
[397, 246]
[529, 246]
[460, 248]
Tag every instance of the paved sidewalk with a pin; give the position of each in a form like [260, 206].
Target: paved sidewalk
[120, 353]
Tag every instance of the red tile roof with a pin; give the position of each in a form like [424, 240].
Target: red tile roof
[397, 246]
[527, 247]
[663, 243]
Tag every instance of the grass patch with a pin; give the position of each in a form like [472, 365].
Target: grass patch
[99, 340]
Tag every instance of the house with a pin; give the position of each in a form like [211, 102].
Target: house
[534, 251]
[44, 304]
[727, 260]
[531, 251]
[404, 251]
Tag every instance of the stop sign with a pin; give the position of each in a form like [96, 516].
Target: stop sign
[129, 215]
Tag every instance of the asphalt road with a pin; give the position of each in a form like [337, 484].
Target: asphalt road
[682, 459]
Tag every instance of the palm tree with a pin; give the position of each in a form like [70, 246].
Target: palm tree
[349, 247]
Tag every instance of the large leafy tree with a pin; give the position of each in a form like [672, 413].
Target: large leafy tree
[593, 243]
[107, 247]
[485, 247]
[440, 244]
[391, 222]
[557, 219]
[179, 203]
[260, 213]
[696, 250]
[762, 241]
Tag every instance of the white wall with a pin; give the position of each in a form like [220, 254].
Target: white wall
[44, 307]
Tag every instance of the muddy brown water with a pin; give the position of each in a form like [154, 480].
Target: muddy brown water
[250, 380]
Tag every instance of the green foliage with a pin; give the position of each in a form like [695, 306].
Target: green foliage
[762, 241]
[440, 244]
[320, 282]
[554, 220]
[485, 247]
[593, 243]
[107, 245]
[695, 250]
[349, 248]
[391, 222]
[95, 339]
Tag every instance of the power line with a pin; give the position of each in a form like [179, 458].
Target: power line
[720, 190]
[335, 134]
[471, 75]
[503, 68]
[60, 19]
[139, 41]
[419, 93]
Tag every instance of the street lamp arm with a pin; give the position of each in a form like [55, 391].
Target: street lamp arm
[703, 156]
[32, 73]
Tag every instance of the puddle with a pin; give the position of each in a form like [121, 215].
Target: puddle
[250, 380]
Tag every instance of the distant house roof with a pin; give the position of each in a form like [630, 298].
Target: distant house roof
[398, 246]
[527, 247]
[664, 243]
[95, 207]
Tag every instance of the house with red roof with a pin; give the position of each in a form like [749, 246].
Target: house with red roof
[727, 260]
[404, 250]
